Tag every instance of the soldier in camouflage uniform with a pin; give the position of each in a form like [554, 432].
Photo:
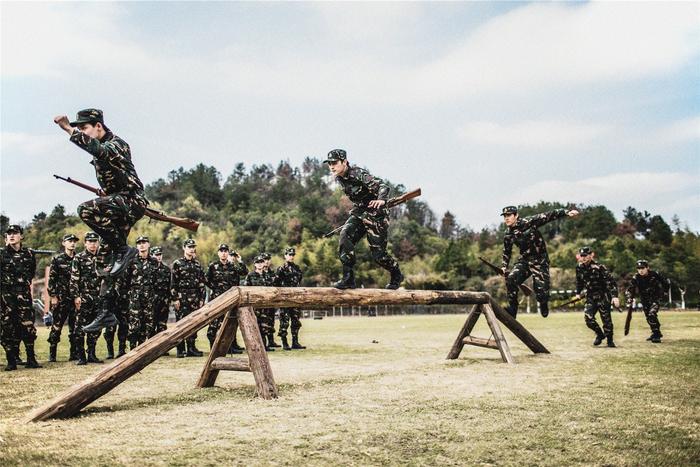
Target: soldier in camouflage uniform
[369, 216]
[221, 276]
[595, 282]
[187, 291]
[650, 287]
[140, 279]
[289, 275]
[123, 203]
[269, 313]
[257, 277]
[61, 302]
[161, 292]
[17, 269]
[533, 260]
[85, 286]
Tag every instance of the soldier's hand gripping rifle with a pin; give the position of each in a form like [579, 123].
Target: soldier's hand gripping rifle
[395, 201]
[185, 223]
[526, 289]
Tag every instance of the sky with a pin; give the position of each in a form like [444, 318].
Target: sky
[481, 104]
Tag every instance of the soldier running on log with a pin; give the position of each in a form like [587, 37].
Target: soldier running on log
[369, 216]
[533, 260]
[650, 287]
[110, 216]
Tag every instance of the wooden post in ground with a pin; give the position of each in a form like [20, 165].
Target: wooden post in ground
[223, 341]
[501, 343]
[517, 329]
[257, 356]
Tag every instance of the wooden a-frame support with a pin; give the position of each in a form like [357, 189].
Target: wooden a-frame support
[493, 314]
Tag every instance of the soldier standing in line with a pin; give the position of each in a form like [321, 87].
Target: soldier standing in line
[369, 216]
[161, 309]
[187, 291]
[257, 277]
[17, 270]
[140, 280]
[269, 313]
[123, 203]
[61, 302]
[595, 283]
[120, 308]
[533, 260]
[289, 275]
[650, 287]
[221, 276]
[85, 286]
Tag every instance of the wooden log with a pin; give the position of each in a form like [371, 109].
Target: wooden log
[518, 329]
[472, 318]
[501, 343]
[231, 364]
[257, 357]
[222, 343]
[480, 342]
[72, 400]
[326, 297]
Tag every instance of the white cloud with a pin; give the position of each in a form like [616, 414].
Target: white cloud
[680, 131]
[534, 134]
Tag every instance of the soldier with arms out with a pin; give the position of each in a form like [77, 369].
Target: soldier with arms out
[533, 260]
[650, 287]
[369, 216]
[60, 299]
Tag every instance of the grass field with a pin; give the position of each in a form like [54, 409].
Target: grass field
[347, 400]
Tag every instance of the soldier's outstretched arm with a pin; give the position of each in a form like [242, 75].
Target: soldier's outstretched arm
[539, 220]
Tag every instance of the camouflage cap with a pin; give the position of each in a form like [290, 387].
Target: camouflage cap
[142, 238]
[156, 250]
[14, 228]
[290, 251]
[336, 155]
[88, 116]
[642, 263]
[258, 259]
[585, 251]
[91, 237]
[189, 242]
[509, 210]
[266, 256]
[223, 247]
[69, 236]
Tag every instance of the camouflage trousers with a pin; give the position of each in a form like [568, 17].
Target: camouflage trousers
[17, 319]
[214, 327]
[288, 315]
[266, 320]
[112, 217]
[376, 227]
[599, 305]
[160, 314]
[84, 316]
[141, 319]
[519, 274]
[651, 312]
[62, 312]
[121, 330]
[188, 304]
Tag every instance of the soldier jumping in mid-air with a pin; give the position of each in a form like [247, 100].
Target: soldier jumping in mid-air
[533, 260]
[369, 216]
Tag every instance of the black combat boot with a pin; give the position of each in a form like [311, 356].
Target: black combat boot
[122, 349]
[610, 342]
[234, 349]
[11, 360]
[31, 357]
[91, 357]
[266, 342]
[598, 339]
[52, 352]
[18, 359]
[295, 343]
[396, 278]
[656, 338]
[544, 309]
[110, 350]
[348, 279]
[285, 343]
[104, 319]
[180, 350]
[80, 354]
[124, 256]
[271, 340]
[193, 351]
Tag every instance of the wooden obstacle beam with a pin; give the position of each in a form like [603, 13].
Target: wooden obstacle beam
[74, 399]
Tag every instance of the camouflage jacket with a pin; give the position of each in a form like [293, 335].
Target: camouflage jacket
[595, 280]
[221, 277]
[255, 279]
[111, 157]
[84, 281]
[288, 275]
[59, 276]
[650, 288]
[162, 285]
[529, 240]
[362, 187]
[187, 279]
[17, 269]
[140, 278]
